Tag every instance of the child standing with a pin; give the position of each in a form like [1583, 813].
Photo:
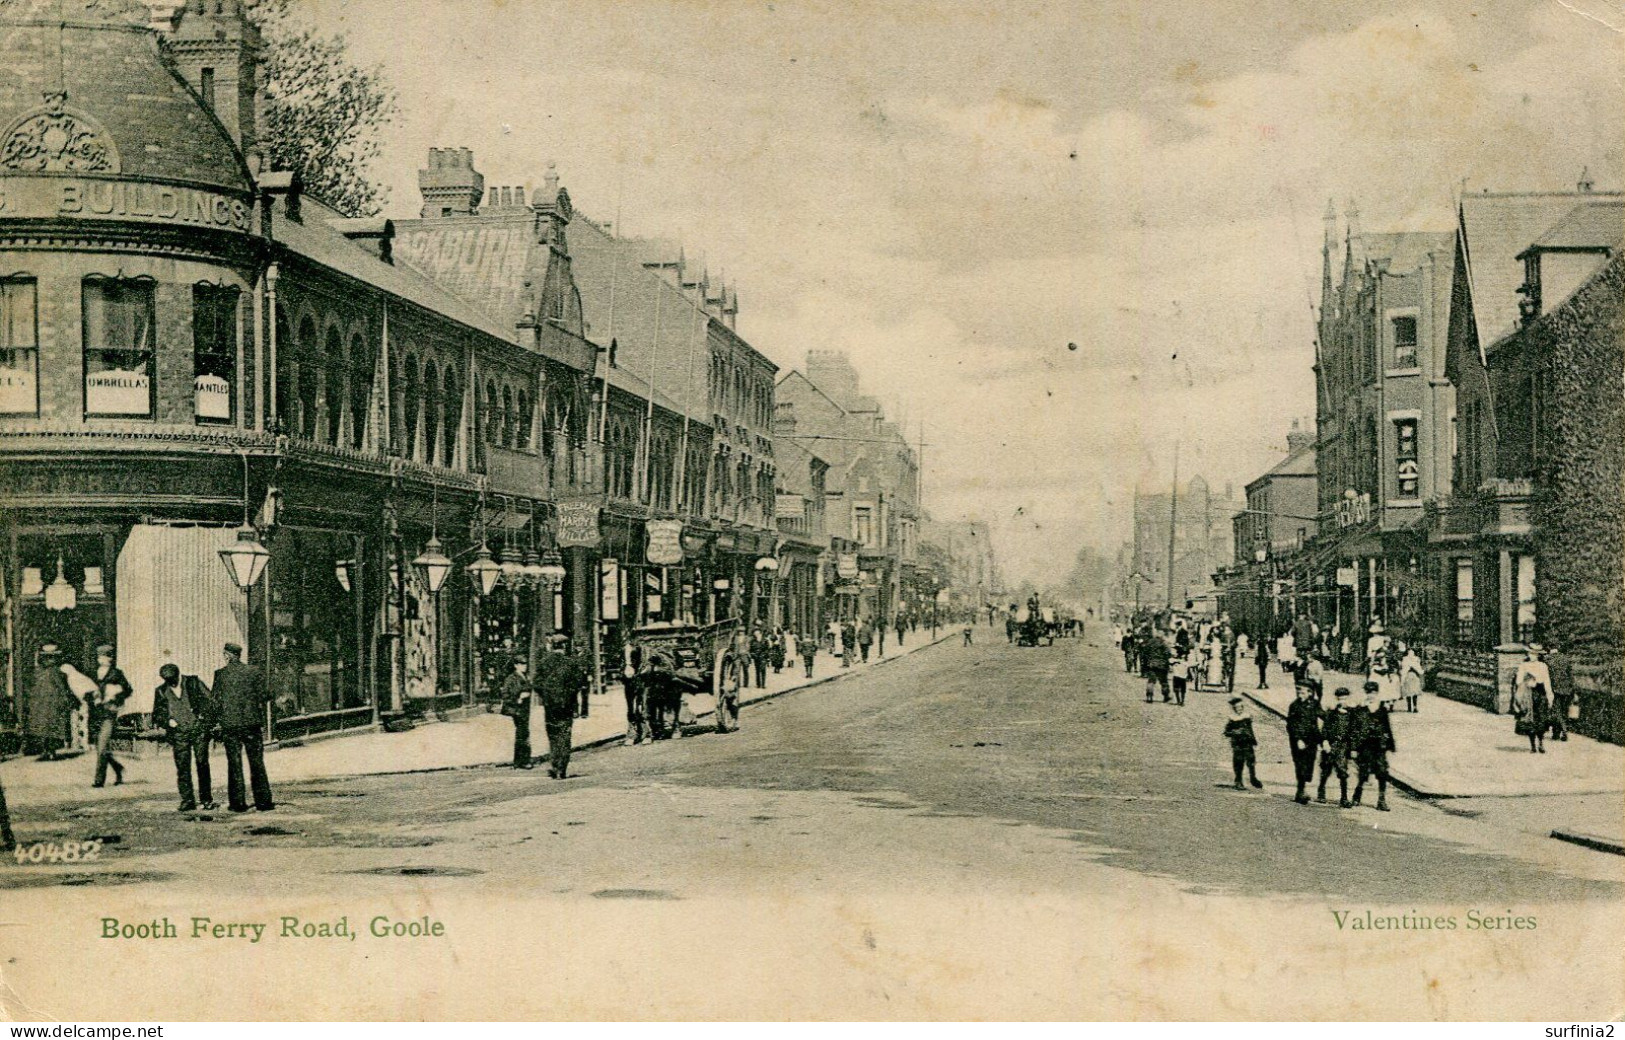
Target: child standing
[1238, 729]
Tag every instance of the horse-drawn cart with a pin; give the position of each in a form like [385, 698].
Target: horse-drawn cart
[699, 659]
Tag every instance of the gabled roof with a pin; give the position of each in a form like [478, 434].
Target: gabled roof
[1404, 250]
[1590, 225]
[1494, 229]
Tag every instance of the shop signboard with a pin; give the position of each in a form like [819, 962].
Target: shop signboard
[577, 524]
[115, 391]
[1348, 576]
[665, 547]
[846, 565]
[790, 507]
[17, 391]
[211, 397]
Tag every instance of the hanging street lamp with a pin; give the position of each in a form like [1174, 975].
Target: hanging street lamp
[245, 559]
[436, 565]
[484, 571]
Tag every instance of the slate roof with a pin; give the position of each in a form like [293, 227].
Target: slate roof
[1589, 225]
[107, 58]
[1495, 228]
[483, 259]
[1404, 250]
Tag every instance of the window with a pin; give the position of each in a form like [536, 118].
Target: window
[360, 391]
[1405, 454]
[1404, 342]
[206, 86]
[19, 347]
[214, 353]
[334, 394]
[1464, 600]
[1526, 597]
[863, 525]
[118, 347]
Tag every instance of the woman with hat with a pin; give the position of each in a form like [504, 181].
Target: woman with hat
[1531, 699]
[50, 704]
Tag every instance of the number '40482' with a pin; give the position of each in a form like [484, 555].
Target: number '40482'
[51, 852]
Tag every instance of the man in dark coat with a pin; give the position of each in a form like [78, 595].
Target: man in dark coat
[241, 693]
[50, 704]
[1303, 734]
[759, 653]
[1337, 739]
[112, 690]
[1238, 730]
[516, 699]
[866, 639]
[1154, 659]
[185, 713]
[1373, 740]
[563, 676]
[1561, 670]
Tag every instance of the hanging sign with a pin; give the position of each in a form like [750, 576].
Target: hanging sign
[846, 565]
[609, 589]
[211, 397]
[790, 507]
[665, 548]
[1347, 576]
[577, 524]
[118, 392]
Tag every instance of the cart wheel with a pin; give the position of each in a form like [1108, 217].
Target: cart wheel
[725, 683]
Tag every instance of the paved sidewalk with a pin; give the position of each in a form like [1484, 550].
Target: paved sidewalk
[476, 740]
[1452, 750]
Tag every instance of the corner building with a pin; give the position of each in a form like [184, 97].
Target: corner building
[187, 341]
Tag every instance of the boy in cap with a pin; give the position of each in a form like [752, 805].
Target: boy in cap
[1373, 739]
[1337, 736]
[112, 690]
[1238, 729]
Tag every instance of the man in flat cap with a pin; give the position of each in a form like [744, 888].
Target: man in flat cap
[241, 695]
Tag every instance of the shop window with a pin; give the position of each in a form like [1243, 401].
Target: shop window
[1408, 470]
[214, 353]
[19, 347]
[1464, 600]
[315, 626]
[119, 343]
[1404, 342]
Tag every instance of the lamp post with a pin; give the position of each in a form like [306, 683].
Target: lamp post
[766, 568]
[245, 561]
[436, 566]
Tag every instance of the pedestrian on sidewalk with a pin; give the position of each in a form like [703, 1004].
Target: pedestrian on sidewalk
[849, 644]
[563, 678]
[185, 714]
[1154, 659]
[809, 650]
[112, 690]
[1238, 729]
[1227, 665]
[832, 637]
[50, 705]
[1131, 652]
[1263, 660]
[1373, 740]
[901, 628]
[1303, 734]
[240, 692]
[866, 638]
[969, 629]
[1563, 706]
[516, 700]
[1337, 745]
[759, 654]
[1531, 703]
[634, 684]
[1410, 678]
[775, 651]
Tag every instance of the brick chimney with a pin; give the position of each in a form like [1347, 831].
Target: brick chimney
[1298, 439]
[450, 186]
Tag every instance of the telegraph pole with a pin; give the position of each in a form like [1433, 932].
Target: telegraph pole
[1173, 520]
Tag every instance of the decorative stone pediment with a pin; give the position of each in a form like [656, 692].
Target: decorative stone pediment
[57, 139]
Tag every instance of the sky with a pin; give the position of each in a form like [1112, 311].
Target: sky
[1064, 237]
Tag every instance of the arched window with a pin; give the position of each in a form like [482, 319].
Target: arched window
[309, 376]
[360, 391]
[451, 396]
[412, 401]
[431, 412]
[493, 414]
[507, 418]
[522, 421]
[335, 397]
[286, 392]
